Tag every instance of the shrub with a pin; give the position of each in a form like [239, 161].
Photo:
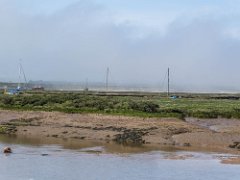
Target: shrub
[8, 100]
[144, 106]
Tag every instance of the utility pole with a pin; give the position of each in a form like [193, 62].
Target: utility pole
[107, 78]
[168, 91]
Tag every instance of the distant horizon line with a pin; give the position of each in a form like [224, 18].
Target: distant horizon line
[131, 87]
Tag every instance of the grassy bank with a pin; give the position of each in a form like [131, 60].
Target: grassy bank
[143, 105]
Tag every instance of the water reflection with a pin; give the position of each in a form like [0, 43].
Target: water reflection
[76, 144]
[53, 158]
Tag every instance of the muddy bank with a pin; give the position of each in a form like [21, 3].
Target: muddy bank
[192, 134]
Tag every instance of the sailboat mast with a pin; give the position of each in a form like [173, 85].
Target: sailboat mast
[25, 79]
[107, 78]
[86, 88]
[19, 75]
[168, 90]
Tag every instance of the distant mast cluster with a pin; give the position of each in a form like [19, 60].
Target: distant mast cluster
[168, 81]
[22, 73]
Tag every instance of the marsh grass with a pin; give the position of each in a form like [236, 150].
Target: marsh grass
[205, 106]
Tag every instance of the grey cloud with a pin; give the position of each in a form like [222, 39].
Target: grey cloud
[82, 40]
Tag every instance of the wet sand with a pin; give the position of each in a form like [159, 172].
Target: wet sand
[192, 134]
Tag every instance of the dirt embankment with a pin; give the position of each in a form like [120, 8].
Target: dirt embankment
[194, 134]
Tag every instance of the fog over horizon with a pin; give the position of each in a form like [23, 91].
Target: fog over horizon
[71, 40]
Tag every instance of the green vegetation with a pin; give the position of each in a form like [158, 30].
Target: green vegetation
[143, 105]
[7, 129]
[3, 130]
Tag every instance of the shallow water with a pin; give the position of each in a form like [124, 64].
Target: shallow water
[47, 162]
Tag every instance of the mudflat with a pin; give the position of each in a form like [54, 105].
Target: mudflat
[222, 135]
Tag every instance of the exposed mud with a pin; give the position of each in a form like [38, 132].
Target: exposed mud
[231, 160]
[212, 134]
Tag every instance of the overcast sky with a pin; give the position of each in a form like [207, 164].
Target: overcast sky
[71, 40]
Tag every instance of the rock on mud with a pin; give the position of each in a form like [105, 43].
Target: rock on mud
[7, 150]
[130, 137]
[235, 145]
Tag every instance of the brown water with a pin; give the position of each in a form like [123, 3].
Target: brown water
[51, 158]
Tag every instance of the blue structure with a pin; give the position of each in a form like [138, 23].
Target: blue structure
[12, 91]
[174, 97]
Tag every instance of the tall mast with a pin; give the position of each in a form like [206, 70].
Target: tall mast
[107, 78]
[19, 75]
[86, 88]
[25, 79]
[21, 72]
[168, 90]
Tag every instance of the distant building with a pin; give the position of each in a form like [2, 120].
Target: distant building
[38, 88]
